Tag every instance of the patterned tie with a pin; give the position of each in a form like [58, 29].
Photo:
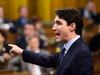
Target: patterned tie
[62, 54]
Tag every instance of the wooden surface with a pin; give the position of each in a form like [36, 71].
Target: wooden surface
[23, 73]
[4, 71]
[11, 37]
[3, 63]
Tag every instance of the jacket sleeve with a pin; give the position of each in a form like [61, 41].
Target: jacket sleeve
[82, 64]
[40, 59]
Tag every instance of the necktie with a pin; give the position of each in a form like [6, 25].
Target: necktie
[62, 54]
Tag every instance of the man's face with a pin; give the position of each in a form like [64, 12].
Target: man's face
[1, 12]
[38, 25]
[29, 30]
[61, 29]
[33, 44]
[2, 39]
[23, 12]
[91, 7]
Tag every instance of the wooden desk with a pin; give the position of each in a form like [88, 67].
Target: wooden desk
[5, 71]
[3, 64]
[96, 67]
[23, 73]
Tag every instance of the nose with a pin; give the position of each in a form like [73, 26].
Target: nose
[54, 28]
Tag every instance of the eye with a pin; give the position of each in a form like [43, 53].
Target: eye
[59, 23]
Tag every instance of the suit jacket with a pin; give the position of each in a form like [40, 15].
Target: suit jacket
[21, 42]
[24, 65]
[5, 48]
[95, 17]
[77, 61]
[18, 26]
[6, 21]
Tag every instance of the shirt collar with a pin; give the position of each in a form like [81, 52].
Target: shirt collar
[37, 51]
[68, 45]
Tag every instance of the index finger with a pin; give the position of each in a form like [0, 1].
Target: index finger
[11, 45]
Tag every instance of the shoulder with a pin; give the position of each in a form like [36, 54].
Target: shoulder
[6, 20]
[7, 47]
[82, 52]
[16, 21]
[81, 10]
[20, 38]
[81, 48]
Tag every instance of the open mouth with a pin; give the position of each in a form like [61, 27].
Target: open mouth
[57, 35]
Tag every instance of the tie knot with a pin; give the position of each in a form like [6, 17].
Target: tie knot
[63, 50]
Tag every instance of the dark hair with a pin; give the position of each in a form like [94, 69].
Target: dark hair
[33, 36]
[3, 33]
[71, 15]
[36, 18]
[30, 22]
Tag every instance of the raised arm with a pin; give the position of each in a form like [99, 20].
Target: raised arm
[35, 58]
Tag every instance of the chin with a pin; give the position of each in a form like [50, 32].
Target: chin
[57, 40]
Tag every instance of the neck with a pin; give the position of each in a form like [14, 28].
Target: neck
[34, 50]
[1, 45]
[70, 37]
[24, 17]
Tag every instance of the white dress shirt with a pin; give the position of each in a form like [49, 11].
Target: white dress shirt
[37, 70]
[68, 45]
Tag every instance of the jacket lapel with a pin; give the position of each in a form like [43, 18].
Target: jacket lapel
[68, 54]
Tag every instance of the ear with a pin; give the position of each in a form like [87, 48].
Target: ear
[72, 26]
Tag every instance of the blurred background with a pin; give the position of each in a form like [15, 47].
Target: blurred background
[20, 19]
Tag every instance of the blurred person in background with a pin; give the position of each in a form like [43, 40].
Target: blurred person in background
[4, 23]
[29, 29]
[4, 48]
[22, 20]
[22, 42]
[38, 25]
[89, 12]
[33, 45]
[2, 19]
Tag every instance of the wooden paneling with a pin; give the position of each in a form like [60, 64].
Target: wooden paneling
[44, 8]
[32, 7]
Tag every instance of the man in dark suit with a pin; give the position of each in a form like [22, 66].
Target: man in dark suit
[75, 57]
[29, 29]
[22, 20]
[89, 12]
[4, 23]
[2, 19]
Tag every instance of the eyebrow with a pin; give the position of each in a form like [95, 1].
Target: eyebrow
[57, 21]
